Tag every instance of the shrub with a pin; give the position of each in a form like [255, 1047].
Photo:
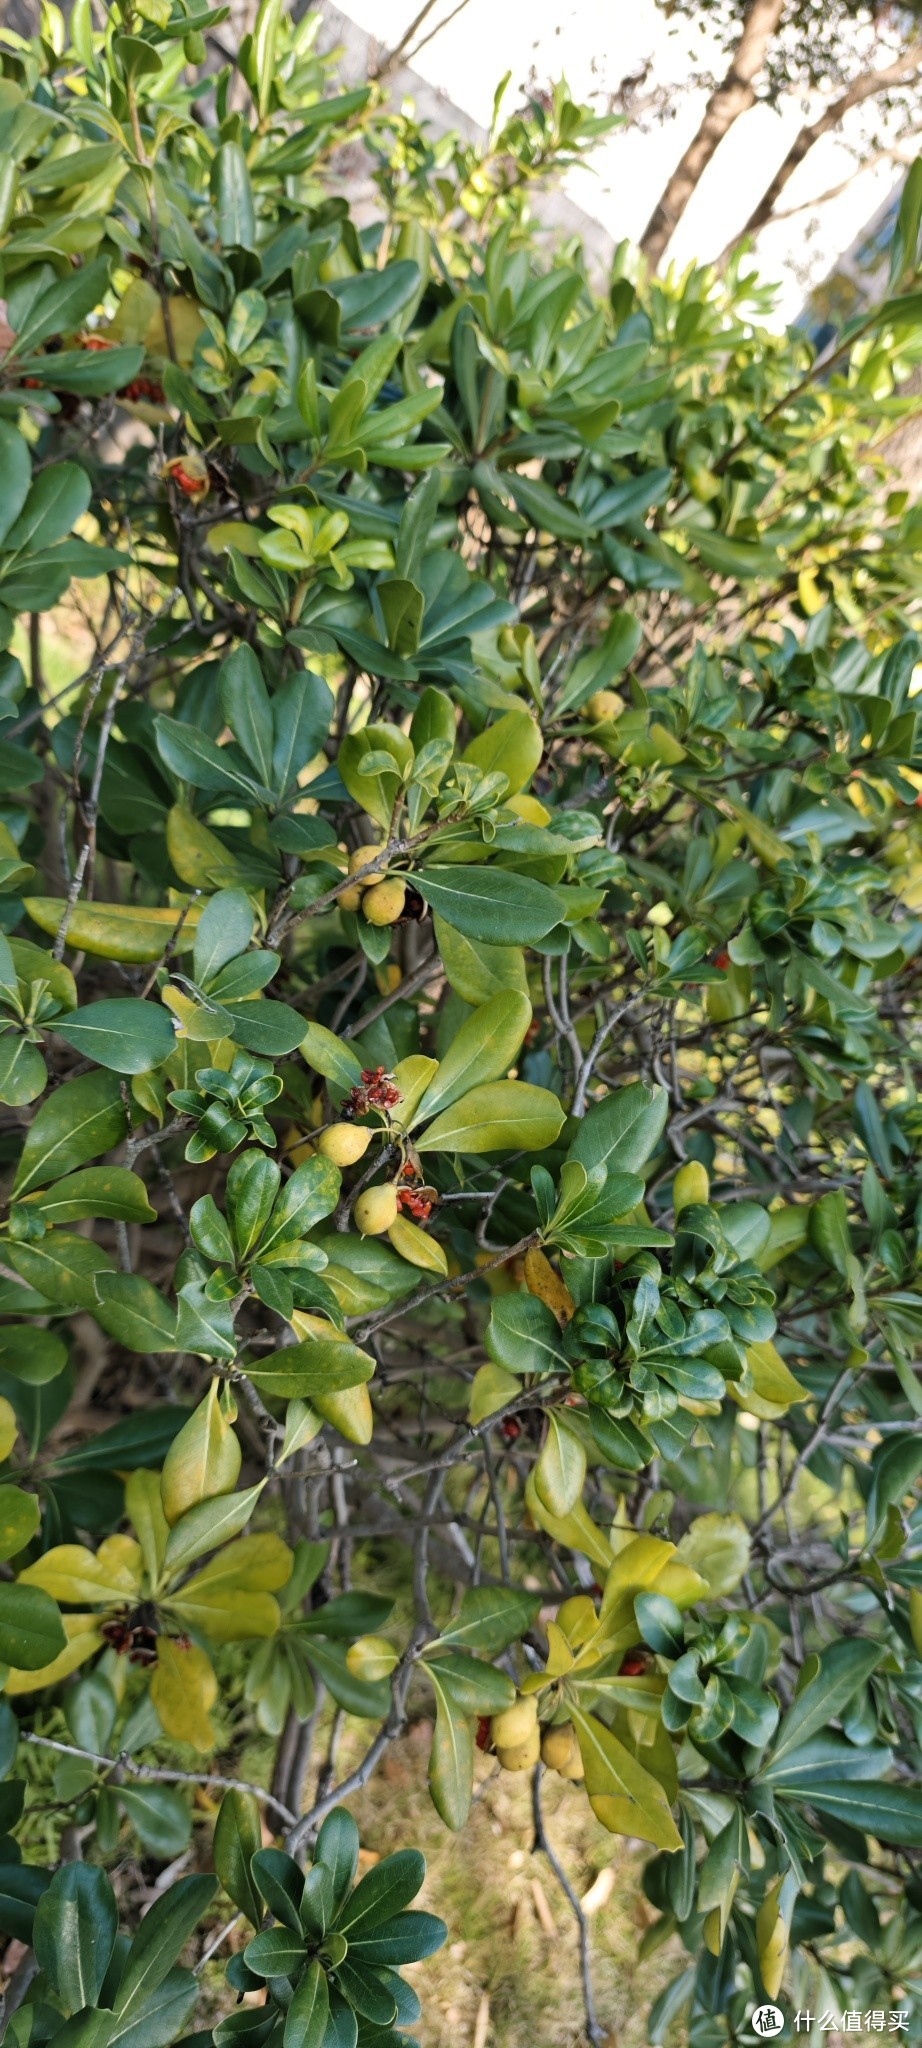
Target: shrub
[458, 967]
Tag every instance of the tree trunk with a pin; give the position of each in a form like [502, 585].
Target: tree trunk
[863, 88]
[733, 97]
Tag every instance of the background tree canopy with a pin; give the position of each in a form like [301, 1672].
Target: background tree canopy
[459, 966]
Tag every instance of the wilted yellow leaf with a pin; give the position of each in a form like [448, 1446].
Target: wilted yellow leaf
[183, 1688]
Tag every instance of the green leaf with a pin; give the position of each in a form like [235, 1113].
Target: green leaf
[64, 1268]
[408, 1938]
[61, 308]
[281, 1881]
[252, 1186]
[490, 1618]
[451, 1758]
[331, 1057]
[473, 1686]
[76, 1922]
[233, 197]
[320, 1365]
[477, 972]
[839, 1673]
[503, 1116]
[891, 1813]
[483, 1050]
[895, 1466]
[237, 1836]
[31, 1634]
[15, 476]
[276, 1953]
[309, 2011]
[160, 1817]
[20, 1519]
[162, 2016]
[58, 498]
[133, 1312]
[195, 758]
[523, 1335]
[160, 1940]
[621, 1132]
[109, 1191]
[209, 1524]
[829, 1232]
[492, 906]
[383, 1891]
[79, 1121]
[23, 1074]
[247, 710]
[337, 1850]
[225, 929]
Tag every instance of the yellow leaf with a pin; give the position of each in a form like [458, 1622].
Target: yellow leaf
[71, 1572]
[302, 1424]
[577, 1529]
[643, 1564]
[578, 1619]
[182, 1689]
[491, 1389]
[227, 1614]
[349, 1411]
[561, 1469]
[718, 1547]
[9, 1427]
[773, 1386]
[773, 1935]
[83, 1639]
[528, 809]
[559, 1653]
[145, 1512]
[542, 1281]
[627, 1799]
[204, 1459]
[260, 1564]
[416, 1246]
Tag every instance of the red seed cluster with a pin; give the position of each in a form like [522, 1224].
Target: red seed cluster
[378, 1090]
[417, 1205]
[143, 387]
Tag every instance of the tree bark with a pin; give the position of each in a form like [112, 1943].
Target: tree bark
[866, 87]
[733, 97]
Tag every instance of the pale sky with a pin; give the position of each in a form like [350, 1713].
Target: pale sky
[595, 48]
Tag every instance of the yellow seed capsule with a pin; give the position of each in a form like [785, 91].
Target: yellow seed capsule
[605, 705]
[361, 858]
[375, 1211]
[343, 1144]
[542, 1281]
[515, 1724]
[383, 903]
[691, 1185]
[521, 1756]
[372, 1658]
[349, 899]
[560, 1752]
